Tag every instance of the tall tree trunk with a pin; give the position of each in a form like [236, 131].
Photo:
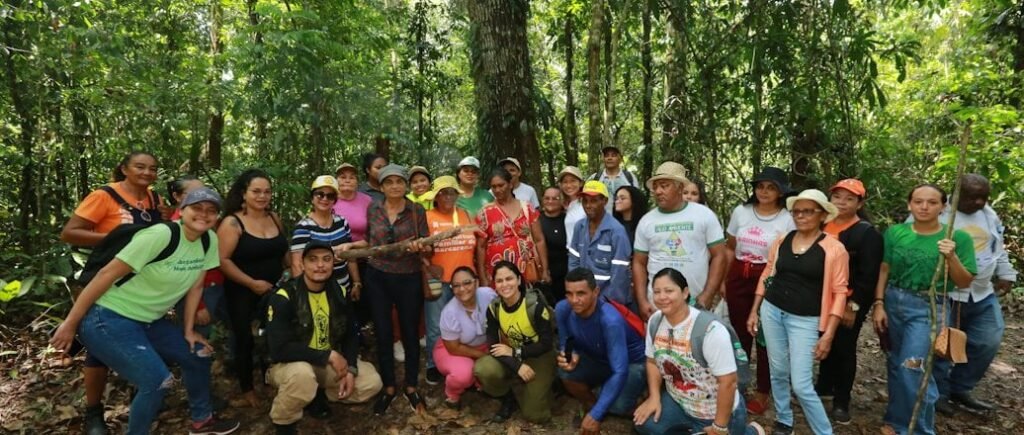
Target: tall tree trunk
[215, 131]
[1017, 99]
[612, 33]
[503, 79]
[262, 148]
[594, 37]
[675, 118]
[569, 132]
[757, 78]
[647, 166]
[807, 134]
[27, 122]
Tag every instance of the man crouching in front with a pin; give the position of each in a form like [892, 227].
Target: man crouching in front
[312, 344]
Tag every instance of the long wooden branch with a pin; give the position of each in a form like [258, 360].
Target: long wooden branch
[940, 271]
[376, 251]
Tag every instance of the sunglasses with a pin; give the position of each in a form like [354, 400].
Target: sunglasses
[325, 195]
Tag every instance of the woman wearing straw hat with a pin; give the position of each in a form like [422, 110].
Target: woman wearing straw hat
[800, 301]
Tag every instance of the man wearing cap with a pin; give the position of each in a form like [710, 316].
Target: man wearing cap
[472, 197]
[685, 236]
[601, 245]
[977, 307]
[520, 190]
[312, 344]
[614, 175]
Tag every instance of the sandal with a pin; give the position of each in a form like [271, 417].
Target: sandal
[415, 401]
[383, 402]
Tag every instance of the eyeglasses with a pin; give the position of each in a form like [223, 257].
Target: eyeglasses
[805, 212]
[466, 283]
[325, 195]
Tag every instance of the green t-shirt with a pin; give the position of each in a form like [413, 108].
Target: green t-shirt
[912, 257]
[473, 204]
[158, 286]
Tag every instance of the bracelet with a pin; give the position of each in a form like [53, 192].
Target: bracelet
[877, 302]
[718, 428]
[357, 284]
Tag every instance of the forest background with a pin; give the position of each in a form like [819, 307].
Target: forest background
[879, 90]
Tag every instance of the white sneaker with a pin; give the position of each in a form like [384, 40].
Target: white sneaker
[757, 427]
[399, 352]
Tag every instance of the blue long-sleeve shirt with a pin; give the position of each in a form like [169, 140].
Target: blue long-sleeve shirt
[607, 254]
[603, 337]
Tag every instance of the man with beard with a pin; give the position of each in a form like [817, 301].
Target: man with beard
[312, 344]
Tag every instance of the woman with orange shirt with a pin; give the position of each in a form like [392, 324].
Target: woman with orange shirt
[127, 200]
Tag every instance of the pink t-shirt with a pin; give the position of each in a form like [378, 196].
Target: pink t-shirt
[354, 211]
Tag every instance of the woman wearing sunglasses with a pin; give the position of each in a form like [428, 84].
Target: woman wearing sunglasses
[321, 224]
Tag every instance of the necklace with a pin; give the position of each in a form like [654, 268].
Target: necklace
[798, 250]
[767, 219]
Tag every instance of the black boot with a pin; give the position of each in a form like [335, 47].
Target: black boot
[508, 406]
[969, 402]
[93, 424]
[285, 429]
[318, 408]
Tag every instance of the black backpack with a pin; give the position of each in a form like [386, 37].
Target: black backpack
[629, 177]
[117, 239]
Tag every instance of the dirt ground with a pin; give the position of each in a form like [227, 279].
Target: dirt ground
[38, 395]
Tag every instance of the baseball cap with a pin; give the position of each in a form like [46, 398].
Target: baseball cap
[345, 166]
[610, 148]
[325, 181]
[594, 188]
[202, 194]
[393, 169]
[853, 185]
[570, 170]
[470, 161]
[419, 170]
[316, 244]
[511, 160]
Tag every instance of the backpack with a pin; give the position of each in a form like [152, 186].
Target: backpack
[700, 329]
[534, 300]
[117, 239]
[632, 320]
[629, 177]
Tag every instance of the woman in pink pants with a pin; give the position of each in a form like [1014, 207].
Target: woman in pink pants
[463, 334]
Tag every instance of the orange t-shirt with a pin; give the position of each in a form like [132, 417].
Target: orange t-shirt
[103, 211]
[456, 251]
[833, 229]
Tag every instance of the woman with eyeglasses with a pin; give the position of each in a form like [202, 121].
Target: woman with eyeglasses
[394, 281]
[252, 249]
[321, 224]
[463, 325]
[800, 300]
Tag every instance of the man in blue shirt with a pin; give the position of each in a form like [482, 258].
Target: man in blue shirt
[600, 243]
[598, 350]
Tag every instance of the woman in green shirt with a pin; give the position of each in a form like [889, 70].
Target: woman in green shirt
[901, 304]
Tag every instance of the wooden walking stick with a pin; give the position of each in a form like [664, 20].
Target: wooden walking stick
[940, 271]
[375, 251]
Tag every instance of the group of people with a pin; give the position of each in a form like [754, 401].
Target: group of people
[582, 287]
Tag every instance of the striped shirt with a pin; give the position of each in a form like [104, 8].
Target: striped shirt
[307, 230]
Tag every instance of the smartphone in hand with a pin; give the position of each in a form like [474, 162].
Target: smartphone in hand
[567, 351]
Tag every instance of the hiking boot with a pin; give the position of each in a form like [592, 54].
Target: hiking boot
[318, 408]
[383, 403]
[416, 402]
[969, 402]
[285, 429]
[434, 376]
[781, 428]
[841, 414]
[945, 407]
[213, 426]
[508, 406]
[94, 424]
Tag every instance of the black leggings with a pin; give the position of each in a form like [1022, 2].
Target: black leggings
[241, 305]
[404, 291]
[837, 372]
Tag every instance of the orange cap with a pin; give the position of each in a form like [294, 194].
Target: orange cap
[853, 185]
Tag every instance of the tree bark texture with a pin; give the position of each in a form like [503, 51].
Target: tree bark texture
[503, 83]
[215, 130]
[27, 122]
[647, 159]
[595, 36]
[569, 133]
[676, 112]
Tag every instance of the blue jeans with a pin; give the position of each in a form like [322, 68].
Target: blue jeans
[674, 420]
[909, 329]
[790, 341]
[137, 352]
[983, 323]
[432, 318]
[595, 373]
